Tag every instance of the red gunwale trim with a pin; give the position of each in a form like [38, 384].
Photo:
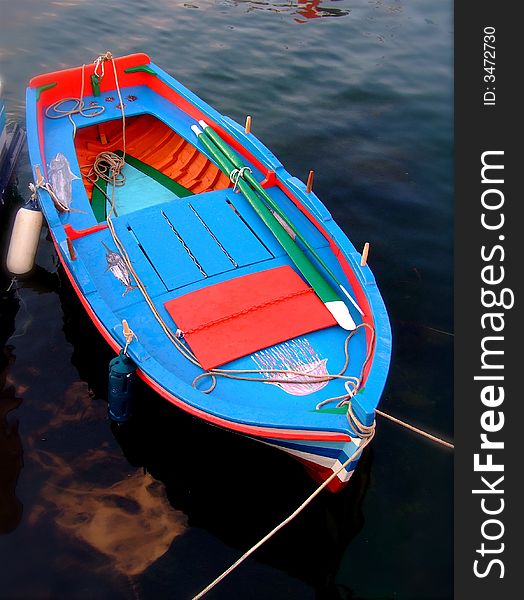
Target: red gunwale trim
[69, 76]
[270, 180]
[252, 430]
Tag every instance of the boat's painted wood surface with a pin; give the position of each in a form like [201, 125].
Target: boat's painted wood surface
[181, 244]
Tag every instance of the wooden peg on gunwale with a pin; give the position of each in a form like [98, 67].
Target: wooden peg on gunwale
[247, 128]
[39, 178]
[309, 184]
[365, 252]
[71, 248]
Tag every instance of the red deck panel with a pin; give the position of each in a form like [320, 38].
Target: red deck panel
[235, 318]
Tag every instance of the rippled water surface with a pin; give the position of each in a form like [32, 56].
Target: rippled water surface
[360, 91]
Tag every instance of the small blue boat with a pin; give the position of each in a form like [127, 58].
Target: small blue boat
[223, 277]
[11, 142]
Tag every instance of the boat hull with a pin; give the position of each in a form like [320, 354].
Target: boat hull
[233, 244]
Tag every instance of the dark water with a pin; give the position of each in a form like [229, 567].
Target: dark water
[361, 91]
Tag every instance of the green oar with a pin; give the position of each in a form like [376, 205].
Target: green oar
[323, 290]
[238, 164]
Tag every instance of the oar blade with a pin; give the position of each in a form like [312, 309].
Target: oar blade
[341, 313]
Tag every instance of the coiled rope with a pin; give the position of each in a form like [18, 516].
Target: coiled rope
[58, 111]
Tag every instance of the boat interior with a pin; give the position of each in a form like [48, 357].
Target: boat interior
[184, 228]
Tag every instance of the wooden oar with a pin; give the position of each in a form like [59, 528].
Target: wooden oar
[324, 291]
[247, 175]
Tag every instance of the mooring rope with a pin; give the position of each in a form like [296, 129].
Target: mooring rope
[129, 335]
[45, 185]
[421, 432]
[366, 433]
[366, 439]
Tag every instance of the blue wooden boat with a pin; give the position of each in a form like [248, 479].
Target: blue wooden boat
[178, 256]
[11, 142]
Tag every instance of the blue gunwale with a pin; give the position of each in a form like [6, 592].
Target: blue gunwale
[285, 413]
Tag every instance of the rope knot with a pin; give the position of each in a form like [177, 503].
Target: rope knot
[32, 189]
[236, 174]
[129, 335]
[363, 431]
[99, 64]
[45, 185]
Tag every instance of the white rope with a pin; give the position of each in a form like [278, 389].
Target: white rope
[57, 110]
[425, 434]
[235, 175]
[366, 433]
[109, 57]
[45, 185]
[129, 335]
[366, 439]
[99, 64]
[14, 282]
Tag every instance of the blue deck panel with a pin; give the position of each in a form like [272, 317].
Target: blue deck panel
[196, 237]
[173, 263]
[145, 270]
[241, 243]
[253, 221]
[92, 252]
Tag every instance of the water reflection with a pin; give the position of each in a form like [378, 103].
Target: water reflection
[11, 451]
[252, 487]
[128, 520]
[91, 494]
[313, 9]
[306, 9]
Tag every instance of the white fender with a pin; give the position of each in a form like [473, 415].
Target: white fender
[24, 241]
